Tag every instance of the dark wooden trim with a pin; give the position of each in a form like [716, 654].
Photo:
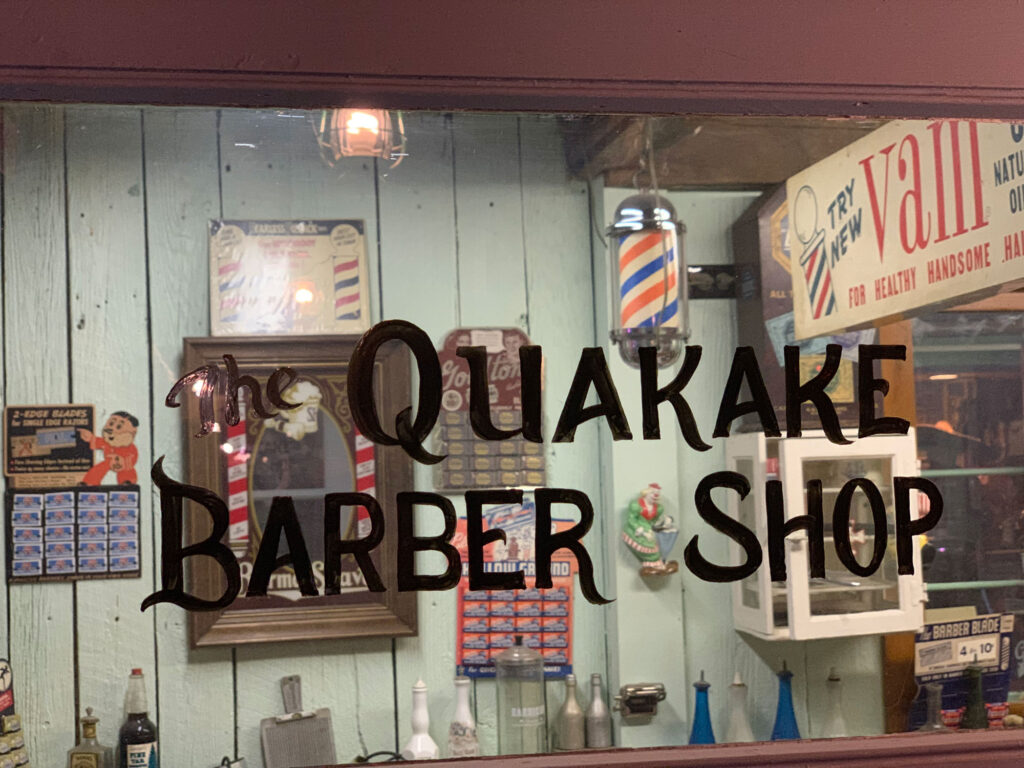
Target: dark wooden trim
[302, 90]
[968, 749]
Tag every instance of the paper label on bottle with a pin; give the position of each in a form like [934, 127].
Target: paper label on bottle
[462, 741]
[85, 761]
[141, 755]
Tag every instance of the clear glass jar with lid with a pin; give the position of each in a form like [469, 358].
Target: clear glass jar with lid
[522, 721]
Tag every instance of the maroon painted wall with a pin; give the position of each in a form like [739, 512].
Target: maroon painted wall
[864, 57]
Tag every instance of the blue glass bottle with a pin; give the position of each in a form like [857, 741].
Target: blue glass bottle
[785, 719]
[701, 733]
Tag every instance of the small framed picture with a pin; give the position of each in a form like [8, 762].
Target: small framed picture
[303, 453]
[288, 277]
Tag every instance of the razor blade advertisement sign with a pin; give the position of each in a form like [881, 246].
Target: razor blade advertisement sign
[915, 214]
[944, 650]
[46, 444]
[489, 620]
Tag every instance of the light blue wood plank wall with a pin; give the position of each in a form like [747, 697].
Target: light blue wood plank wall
[105, 270]
[705, 620]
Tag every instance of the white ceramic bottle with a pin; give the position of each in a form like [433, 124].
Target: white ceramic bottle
[462, 741]
[420, 746]
[835, 723]
[738, 728]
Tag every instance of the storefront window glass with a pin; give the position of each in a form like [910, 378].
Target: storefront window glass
[229, 261]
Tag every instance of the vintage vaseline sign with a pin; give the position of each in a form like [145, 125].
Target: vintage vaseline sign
[914, 214]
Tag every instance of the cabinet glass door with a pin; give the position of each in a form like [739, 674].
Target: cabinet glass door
[752, 598]
[842, 602]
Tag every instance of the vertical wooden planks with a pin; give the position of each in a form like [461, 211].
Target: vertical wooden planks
[556, 240]
[708, 217]
[110, 361]
[492, 280]
[182, 195]
[492, 272]
[858, 662]
[350, 677]
[647, 615]
[42, 643]
[271, 169]
[419, 281]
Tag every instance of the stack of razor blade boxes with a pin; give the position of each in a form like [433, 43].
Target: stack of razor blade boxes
[75, 532]
[13, 753]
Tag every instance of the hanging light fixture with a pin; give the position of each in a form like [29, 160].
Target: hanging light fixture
[647, 266]
[361, 133]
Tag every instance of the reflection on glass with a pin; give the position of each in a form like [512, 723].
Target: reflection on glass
[747, 517]
[971, 445]
[841, 591]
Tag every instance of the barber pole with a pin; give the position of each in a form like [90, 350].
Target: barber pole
[648, 283]
[647, 263]
[230, 279]
[238, 485]
[813, 262]
[366, 480]
[346, 287]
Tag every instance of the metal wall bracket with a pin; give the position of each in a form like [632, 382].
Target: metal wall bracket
[711, 281]
[639, 699]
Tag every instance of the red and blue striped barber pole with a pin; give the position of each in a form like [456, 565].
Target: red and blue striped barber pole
[230, 280]
[346, 287]
[648, 277]
[366, 480]
[820, 292]
[238, 486]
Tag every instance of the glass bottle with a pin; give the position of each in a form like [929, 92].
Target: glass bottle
[738, 728]
[785, 718]
[569, 725]
[137, 740]
[975, 715]
[835, 723]
[522, 722]
[462, 741]
[598, 718]
[933, 698]
[702, 733]
[89, 753]
[420, 745]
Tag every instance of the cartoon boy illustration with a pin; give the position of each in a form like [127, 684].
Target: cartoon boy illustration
[119, 451]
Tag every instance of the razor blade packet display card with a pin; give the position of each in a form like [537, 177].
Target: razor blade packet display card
[47, 445]
[489, 620]
[65, 534]
[943, 650]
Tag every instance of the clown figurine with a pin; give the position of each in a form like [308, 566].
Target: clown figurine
[649, 533]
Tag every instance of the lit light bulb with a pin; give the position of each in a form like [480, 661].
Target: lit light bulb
[227, 447]
[362, 121]
[303, 296]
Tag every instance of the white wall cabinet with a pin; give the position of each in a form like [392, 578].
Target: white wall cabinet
[841, 604]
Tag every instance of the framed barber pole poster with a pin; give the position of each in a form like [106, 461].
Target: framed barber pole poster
[288, 277]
